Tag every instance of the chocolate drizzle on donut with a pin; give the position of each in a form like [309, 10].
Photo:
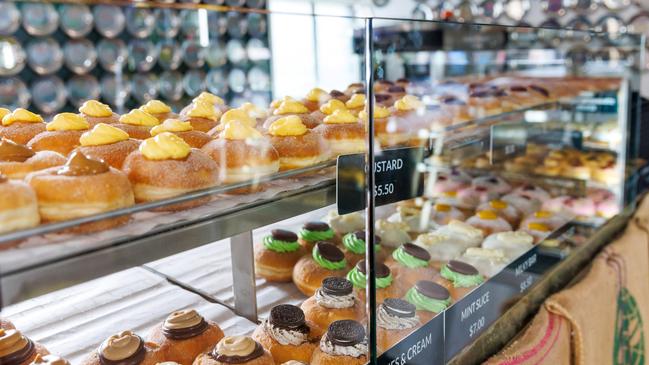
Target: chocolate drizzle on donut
[416, 251]
[329, 251]
[316, 226]
[236, 359]
[336, 286]
[283, 235]
[21, 356]
[399, 308]
[432, 290]
[381, 270]
[288, 317]
[346, 332]
[185, 333]
[135, 359]
[462, 268]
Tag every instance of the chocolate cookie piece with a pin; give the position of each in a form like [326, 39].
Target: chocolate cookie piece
[346, 332]
[288, 317]
[399, 308]
[361, 236]
[329, 251]
[416, 251]
[381, 270]
[337, 287]
[316, 226]
[462, 268]
[283, 235]
[432, 290]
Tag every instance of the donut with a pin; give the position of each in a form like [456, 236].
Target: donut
[96, 112]
[137, 124]
[184, 130]
[296, 145]
[107, 143]
[343, 132]
[62, 134]
[21, 125]
[159, 110]
[16, 160]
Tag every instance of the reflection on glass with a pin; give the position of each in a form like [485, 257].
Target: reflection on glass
[582, 5]
[190, 23]
[465, 11]
[256, 4]
[555, 7]
[490, 10]
[109, 20]
[82, 88]
[44, 55]
[517, 9]
[14, 93]
[167, 22]
[616, 5]
[115, 89]
[9, 18]
[139, 22]
[13, 56]
[258, 79]
[80, 55]
[143, 55]
[145, 87]
[237, 25]
[193, 53]
[215, 2]
[580, 23]
[112, 54]
[611, 24]
[76, 20]
[169, 56]
[216, 82]
[235, 2]
[49, 94]
[217, 24]
[257, 50]
[237, 80]
[257, 26]
[215, 54]
[170, 85]
[39, 18]
[194, 82]
[236, 52]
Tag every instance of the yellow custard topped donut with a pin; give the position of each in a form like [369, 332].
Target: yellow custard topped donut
[203, 109]
[316, 94]
[139, 118]
[67, 122]
[379, 112]
[288, 126]
[341, 116]
[172, 125]
[291, 107]
[165, 146]
[408, 102]
[277, 102]
[238, 115]
[155, 107]
[21, 115]
[3, 112]
[331, 106]
[356, 101]
[239, 131]
[103, 134]
[209, 98]
[94, 108]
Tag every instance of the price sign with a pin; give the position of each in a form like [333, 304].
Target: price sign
[422, 347]
[396, 178]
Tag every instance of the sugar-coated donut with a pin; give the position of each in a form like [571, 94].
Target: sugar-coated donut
[18, 206]
[16, 160]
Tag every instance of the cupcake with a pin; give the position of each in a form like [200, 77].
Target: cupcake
[459, 278]
[96, 112]
[125, 348]
[512, 244]
[159, 110]
[395, 320]
[137, 124]
[343, 132]
[487, 261]
[241, 350]
[297, 146]
[429, 298]
[325, 260]
[489, 222]
[343, 224]
[276, 256]
[61, 135]
[183, 130]
[285, 334]
[294, 109]
[202, 115]
[410, 263]
[184, 335]
[18, 349]
[344, 343]
[21, 125]
[17, 160]
[333, 301]
[385, 285]
[312, 232]
[354, 246]
[107, 143]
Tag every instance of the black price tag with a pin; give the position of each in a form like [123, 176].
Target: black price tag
[507, 140]
[424, 346]
[396, 178]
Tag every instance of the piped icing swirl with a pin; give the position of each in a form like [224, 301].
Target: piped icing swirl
[204, 109]
[290, 106]
[165, 146]
[15, 348]
[335, 293]
[396, 314]
[14, 152]
[408, 102]
[155, 107]
[316, 231]
[316, 95]
[79, 164]
[281, 241]
[286, 324]
[288, 126]
[236, 350]
[184, 324]
[171, 125]
[140, 118]
[380, 112]
[340, 116]
[239, 131]
[124, 348]
[237, 115]
[328, 256]
[412, 256]
[103, 134]
[462, 275]
[21, 115]
[94, 108]
[358, 277]
[67, 122]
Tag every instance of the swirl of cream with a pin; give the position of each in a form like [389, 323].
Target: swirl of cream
[49, 360]
[11, 341]
[236, 346]
[357, 350]
[183, 319]
[120, 346]
[390, 322]
[334, 302]
[284, 336]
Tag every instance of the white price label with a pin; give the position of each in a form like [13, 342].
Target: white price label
[476, 326]
[383, 189]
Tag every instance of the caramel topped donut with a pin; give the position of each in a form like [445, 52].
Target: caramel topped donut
[62, 134]
[297, 146]
[21, 125]
[95, 112]
[125, 348]
[17, 160]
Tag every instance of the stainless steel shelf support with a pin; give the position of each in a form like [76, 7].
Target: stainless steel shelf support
[243, 276]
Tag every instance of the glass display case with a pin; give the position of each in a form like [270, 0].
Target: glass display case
[183, 172]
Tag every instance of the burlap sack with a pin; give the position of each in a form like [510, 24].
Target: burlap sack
[546, 340]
